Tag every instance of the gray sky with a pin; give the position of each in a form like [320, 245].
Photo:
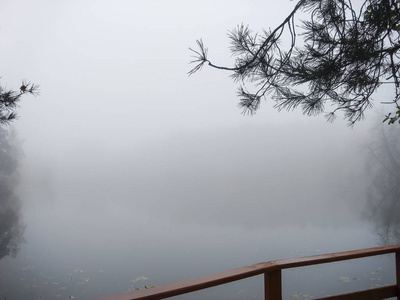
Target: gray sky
[120, 125]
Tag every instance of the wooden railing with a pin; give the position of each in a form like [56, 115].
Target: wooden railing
[273, 278]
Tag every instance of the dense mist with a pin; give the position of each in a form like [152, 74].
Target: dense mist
[244, 176]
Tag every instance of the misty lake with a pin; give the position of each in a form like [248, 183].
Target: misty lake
[106, 220]
[125, 172]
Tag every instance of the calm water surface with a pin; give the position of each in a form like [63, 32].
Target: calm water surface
[103, 219]
[52, 265]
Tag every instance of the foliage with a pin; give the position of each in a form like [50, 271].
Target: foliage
[345, 56]
[9, 100]
[11, 227]
[392, 119]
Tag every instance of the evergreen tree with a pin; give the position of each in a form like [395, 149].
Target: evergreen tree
[383, 205]
[11, 226]
[344, 56]
[9, 100]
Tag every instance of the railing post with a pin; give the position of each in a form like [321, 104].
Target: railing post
[398, 274]
[273, 285]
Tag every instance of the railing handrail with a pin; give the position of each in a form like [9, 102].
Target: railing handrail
[271, 267]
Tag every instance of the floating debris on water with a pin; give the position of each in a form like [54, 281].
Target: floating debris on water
[26, 268]
[375, 279]
[344, 279]
[83, 280]
[77, 270]
[139, 278]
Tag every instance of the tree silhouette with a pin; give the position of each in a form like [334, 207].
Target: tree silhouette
[345, 55]
[11, 227]
[383, 205]
[9, 100]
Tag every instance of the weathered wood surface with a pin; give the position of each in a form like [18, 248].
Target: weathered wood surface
[195, 284]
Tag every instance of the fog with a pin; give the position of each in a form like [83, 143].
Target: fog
[211, 176]
[131, 168]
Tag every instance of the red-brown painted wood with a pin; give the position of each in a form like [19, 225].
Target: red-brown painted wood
[195, 284]
[191, 285]
[273, 285]
[398, 274]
